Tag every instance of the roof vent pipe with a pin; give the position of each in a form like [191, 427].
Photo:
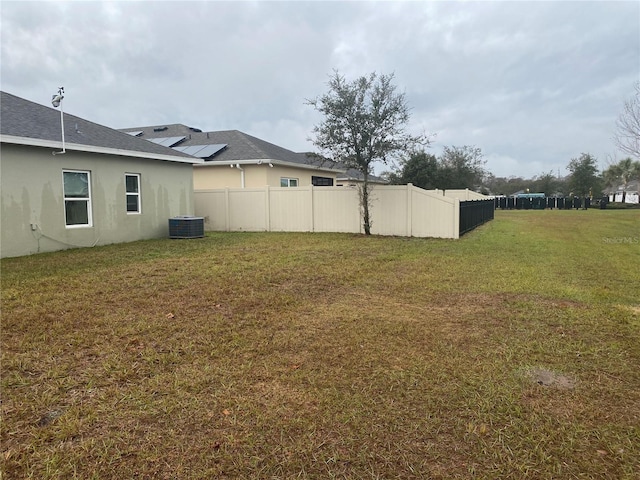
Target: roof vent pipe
[56, 101]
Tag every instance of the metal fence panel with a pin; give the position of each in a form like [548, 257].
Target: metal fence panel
[474, 213]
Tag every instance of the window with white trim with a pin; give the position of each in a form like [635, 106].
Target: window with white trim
[77, 198]
[132, 187]
[288, 182]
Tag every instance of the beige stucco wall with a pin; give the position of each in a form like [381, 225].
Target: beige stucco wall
[209, 177]
[33, 215]
[222, 176]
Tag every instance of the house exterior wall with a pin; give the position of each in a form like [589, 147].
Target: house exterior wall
[303, 175]
[402, 210]
[223, 176]
[208, 177]
[629, 197]
[33, 207]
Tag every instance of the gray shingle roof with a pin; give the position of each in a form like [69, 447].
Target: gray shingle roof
[351, 174]
[26, 119]
[632, 186]
[240, 146]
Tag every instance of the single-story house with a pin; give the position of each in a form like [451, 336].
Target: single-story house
[630, 194]
[235, 159]
[98, 186]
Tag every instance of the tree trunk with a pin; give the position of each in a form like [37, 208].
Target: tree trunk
[364, 198]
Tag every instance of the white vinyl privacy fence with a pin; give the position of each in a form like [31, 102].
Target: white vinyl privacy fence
[402, 210]
[464, 194]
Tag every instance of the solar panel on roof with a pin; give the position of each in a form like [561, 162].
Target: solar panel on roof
[191, 149]
[201, 151]
[210, 150]
[167, 141]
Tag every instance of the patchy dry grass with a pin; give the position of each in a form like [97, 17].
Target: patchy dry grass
[511, 353]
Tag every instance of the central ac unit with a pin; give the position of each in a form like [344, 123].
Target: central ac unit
[185, 226]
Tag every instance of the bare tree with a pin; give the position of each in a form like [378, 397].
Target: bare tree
[627, 136]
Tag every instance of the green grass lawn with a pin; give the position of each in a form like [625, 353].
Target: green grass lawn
[511, 353]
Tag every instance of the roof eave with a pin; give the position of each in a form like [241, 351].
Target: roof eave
[355, 179]
[37, 142]
[261, 161]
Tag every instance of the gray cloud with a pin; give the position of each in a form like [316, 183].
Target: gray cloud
[532, 84]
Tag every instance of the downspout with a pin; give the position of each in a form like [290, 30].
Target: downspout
[241, 174]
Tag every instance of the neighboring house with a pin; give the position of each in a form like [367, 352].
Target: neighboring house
[352, 178]
[237, 160]
[629, 195]
[102, 186]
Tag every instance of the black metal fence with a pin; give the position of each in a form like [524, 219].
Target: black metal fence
[542, 203]
[474, 213]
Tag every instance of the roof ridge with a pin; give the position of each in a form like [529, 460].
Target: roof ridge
[23, 118]
[250, 140]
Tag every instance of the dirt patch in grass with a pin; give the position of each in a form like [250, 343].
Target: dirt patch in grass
[548, 378]
[634, 308]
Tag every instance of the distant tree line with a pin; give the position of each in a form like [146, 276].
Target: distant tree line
[583, 179]
[456, 167]
[464, 167]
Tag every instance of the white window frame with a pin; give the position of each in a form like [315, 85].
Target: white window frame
[76, 199]
[289, 181]
[137, 194]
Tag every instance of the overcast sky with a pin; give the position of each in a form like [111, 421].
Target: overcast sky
[533, 84]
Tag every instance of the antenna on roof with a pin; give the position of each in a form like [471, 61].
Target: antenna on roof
[56, 101]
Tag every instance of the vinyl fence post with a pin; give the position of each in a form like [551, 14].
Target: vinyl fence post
[267, 207]
[409, 210]
[227, 214]
[311, 216]
[456, 218]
